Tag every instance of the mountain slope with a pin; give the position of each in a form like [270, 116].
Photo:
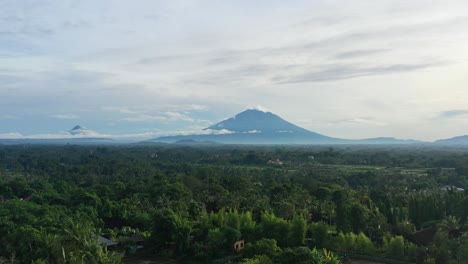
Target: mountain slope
[388, 141]
[461, 140]
[81, 131]
[256, 120]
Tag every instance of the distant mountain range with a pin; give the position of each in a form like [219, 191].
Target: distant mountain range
[461, 140]
[248, 127]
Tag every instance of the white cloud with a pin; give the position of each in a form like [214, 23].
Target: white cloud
[66, 136]
[152, 108]
[11, 136]
[360, 120]
[131, 136]
[253, 132]
[259, 108]
[145, 118]
[165, 117]
[51, 136]
[176, 116]
[64, 116]
[122, 110]
[198, 132]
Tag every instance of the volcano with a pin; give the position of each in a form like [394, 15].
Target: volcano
[254, 126]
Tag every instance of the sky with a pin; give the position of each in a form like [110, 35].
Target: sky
[347, 69]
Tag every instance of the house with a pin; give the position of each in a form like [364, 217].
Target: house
[138, 239]
[239, 245]
[276, 162]
[107, 242]
[452, 188]
[423, 237]
[26, 198]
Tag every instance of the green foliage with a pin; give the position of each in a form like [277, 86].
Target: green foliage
[305, 255]
[80, 244]
[275, 228]
[267, 247]
[297, 231]
[195, 202]
[394, 247]
[404, 229]
[233, 219]
[324, 257]
[247, 226]
[169, 227]
[364, 245]
[319, 234]
[258, 259]
[216, 243]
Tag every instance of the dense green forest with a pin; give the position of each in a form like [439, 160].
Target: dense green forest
[191, 204]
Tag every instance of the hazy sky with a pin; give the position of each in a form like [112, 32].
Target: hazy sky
[349, 69]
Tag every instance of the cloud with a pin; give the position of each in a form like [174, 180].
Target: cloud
[130, 136]
[82, 131]
[145, 118]
[293, 63]
[165, 117]
[14, 135]
[204, 132]
[176, 116]
[172, 113]
[160, 117]
[149, 135]
[343, 72]
[124, 110]
[358, 53]
[84, 134]
[360, 120]
[64, 116]
[457, 113]
[91, 134]
[63, 135]
[259, 108]
[158, 108]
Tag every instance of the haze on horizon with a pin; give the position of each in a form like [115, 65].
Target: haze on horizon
[354, 69]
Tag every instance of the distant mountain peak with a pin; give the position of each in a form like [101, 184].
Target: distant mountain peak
[254, 126]
[256, 120]
[81, 131]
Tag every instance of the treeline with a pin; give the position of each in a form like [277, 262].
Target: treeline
[195, 203]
